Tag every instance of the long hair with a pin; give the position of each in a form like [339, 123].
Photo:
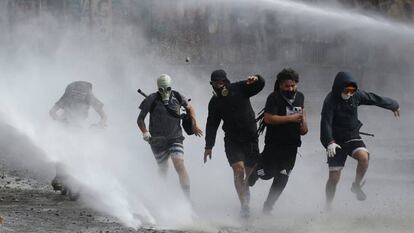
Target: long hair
[285, 74]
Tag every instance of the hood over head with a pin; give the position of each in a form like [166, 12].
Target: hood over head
[342, 80]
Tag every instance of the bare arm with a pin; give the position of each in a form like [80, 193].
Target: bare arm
[141, 121]
[270, 119]
[191, 113]
[304, 124]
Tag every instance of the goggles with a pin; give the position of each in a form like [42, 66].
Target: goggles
[349, 90]
[168, 89]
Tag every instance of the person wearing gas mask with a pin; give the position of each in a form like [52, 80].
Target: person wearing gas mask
[165, 134]
[339, 132]
[285, 120]
[231, 103]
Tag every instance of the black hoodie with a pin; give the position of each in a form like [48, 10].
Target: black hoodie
[236, 111]
[339, 120]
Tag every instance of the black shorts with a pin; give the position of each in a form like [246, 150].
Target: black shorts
[236, 151]
[277, 159]
[348, 149]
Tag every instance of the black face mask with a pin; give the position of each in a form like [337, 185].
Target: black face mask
[289, 94]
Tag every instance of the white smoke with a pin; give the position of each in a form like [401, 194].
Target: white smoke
[116, 168]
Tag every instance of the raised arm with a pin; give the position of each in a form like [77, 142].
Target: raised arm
[253, 85]
[369, 98]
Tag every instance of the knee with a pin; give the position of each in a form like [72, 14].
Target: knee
[362, 157]
[163, 166]
[334, 178]
[363, 160]
[280, 181]
[179, 165]
[238, 171]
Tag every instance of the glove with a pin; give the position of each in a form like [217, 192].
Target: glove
[331, 150]
[146, 136]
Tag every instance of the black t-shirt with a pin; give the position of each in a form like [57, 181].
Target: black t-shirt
[284, 134]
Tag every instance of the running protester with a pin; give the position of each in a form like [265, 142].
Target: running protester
[285, 120]
[340, 131]
[165, 134]
[231, 103]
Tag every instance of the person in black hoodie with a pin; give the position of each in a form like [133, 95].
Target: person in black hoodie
[231, 103]
[340, 131]
[285, 120]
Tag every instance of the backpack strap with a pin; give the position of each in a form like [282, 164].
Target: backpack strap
[154, 102]
[177, 96]
[169, 110]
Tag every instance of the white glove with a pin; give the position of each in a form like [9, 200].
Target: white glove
[331, 150]
[146, 136]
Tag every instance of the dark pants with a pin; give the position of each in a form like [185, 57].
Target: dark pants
[276, 162]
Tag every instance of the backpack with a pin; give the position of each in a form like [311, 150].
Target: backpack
[186, 122]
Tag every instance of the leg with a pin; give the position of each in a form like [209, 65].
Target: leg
[57, 182]
[182, 175]
[336, 164]
[279, 183]
[334, 176]
[363, 157]
[239, 183]
[163, 168]
[363, 161]
[248, 172]
[162, 162]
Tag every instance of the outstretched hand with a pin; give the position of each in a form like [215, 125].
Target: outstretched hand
[397, 113]
[207, 153]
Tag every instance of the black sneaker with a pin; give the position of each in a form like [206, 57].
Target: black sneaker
[267, 210]
[253, 178]
[357, 189]
[57, 185]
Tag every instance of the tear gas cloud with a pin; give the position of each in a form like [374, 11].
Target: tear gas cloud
[116, 168]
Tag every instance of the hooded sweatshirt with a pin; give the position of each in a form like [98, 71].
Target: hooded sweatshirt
[239, 123]
[339, 117]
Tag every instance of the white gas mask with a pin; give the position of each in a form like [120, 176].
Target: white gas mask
[164, 88]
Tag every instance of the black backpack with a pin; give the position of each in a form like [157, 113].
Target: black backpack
[186, 122]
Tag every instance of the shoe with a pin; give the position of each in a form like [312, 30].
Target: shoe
[357, 189]
[267, 210]
[245, 212]
[252, 178]
[57, 185]
[73, 196]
